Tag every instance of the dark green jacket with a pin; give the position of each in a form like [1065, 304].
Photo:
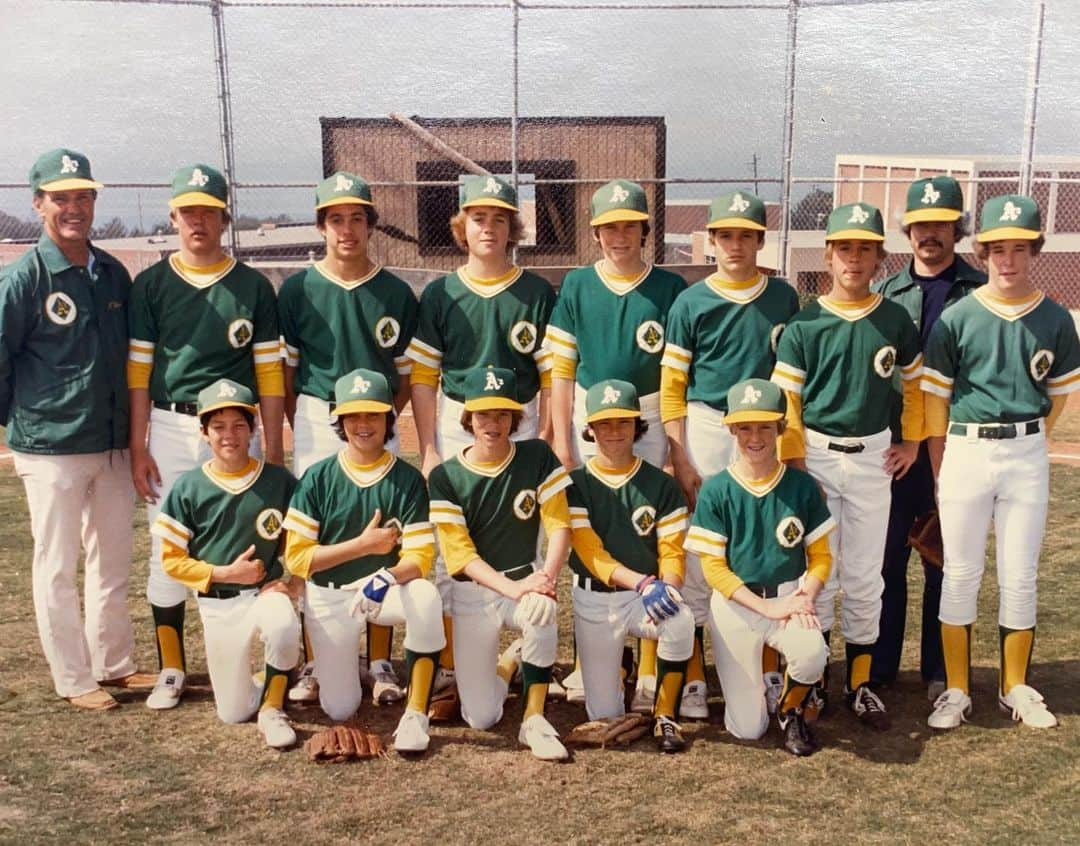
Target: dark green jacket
[63, 353]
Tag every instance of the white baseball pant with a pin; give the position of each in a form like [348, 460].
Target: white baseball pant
[859, 493]
[314, 437]
[652, 446]
[601, 623]
[709, 442]
[79, 501]
[230, 626]
[479, 615]
[738, 637]
[334, 633]
[1007, 481]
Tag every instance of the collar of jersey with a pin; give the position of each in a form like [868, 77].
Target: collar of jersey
[234, 483]
[347, 284]
[201, 277]
[488, 288]
[738, 292]
[620, 285]
[758, 487]
[366, 475]
[852, 311]
[1009, 308]
[482, 469]
[613, 479]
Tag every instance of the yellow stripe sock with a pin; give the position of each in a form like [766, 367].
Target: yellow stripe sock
[1016, 645]
[770, 660]
[956, 645]
[274, 690]
[695, 669]
[535, 699]
[860, 671]
[668, 693]
[169, 648]
[446, 657]
[506, 668]
[794, 694]
[378, 642]
[309, 653]
[646, 657]
[423, 672]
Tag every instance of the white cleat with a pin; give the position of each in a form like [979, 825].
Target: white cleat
[574, 685]
[774, 689]
[306, 688]
[411, 734]
[443, 679]
[386, 690]
[166, 693]
[951, 709]
[540, 736]
[1025, 704]
[644, 695]
[274, 727]
[695, 702]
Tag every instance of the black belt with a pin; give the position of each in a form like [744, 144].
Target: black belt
[222, 593]
[1001, 432]
[591, 584]
[764, 591]
[188, 408]
[847, 449]
[515, 574]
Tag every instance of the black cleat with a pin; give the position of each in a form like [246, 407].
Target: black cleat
[868, 708]
[668, 735]
[797, 737]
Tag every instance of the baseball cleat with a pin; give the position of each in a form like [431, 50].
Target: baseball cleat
[411, 734]
[306, 688]
[386, 690]
[934, 690]
[668, 735]
[816, 704]
[540, 736]
[166, 693]
[868, 708]
[644, 695]
[443, 679]
[94, 700]
[951, 708]
[695, 703]
[274, 727]
[1025, 704]
[798, 740]
[574, 685]
[774, 689]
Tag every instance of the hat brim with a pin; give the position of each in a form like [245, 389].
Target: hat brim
[752, 416]
[344, 201]
[492, 404]
[932, 216]
[361, 406]
[484, 201]
[735, 223]
[617, 216]
[74, 184]
[196, 198]
[854, 235]
[1004, 233]
[228, 404]
[612, 414]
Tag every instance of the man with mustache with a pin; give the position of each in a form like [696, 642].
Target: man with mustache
[934, 221]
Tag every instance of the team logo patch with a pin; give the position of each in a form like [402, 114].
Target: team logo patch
[619, 195]
[885, 361]
[60, 308]
[492, 382]
[241, 332]
[523, 336]
[650, 336]
[750, 396]
[774, 336]
[739, 204]
[68, 165]
[644, 519]
[1010, 212]
[198, 178]
[360, 385]
[930, 195]
[491, 186]
[789, 532]
[1040, 365]
[610, 395]
[342, 184]
[525, 504]
[268, 523]
[226, 391]
[387, 331]
[858, 214]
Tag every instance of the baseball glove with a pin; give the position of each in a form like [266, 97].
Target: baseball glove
[615, 731]
[925, 538]
[445, 705]
[347, 742]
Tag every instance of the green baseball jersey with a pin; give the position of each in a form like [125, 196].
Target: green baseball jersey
[763, 532]
[215, 518]
[1001, 362]
[629, 513]
[841, 361]
[499, 506]
[331, 327]
[719, 335]
[464, 325]
[195, 333]
[335, 501]
[614, 330]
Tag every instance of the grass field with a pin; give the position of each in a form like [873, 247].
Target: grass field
[132, 775]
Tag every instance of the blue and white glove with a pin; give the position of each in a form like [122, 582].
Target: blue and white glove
[370, 593]
[660, 599]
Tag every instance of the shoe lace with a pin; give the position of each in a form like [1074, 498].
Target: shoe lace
[870, 701]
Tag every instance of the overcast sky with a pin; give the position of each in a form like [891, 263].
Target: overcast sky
[133, 86]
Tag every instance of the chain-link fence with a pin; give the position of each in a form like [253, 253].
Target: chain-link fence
[808, 102]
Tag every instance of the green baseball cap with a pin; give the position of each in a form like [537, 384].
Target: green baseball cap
[1010, 216]
[342, 188]
[737, 210]
[362, 390]
[225, 393]
[755, 401]
[62, 170]
[491, 389]
[199, 185]
[936, 198]
[487, 191]
[855, 222]
[618, 200]
[611, 399]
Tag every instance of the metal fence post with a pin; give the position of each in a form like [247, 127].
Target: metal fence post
[1027, 150]
[514, 115]
[789, 128]
[221, 59]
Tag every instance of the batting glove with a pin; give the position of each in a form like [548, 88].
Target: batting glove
[370, 593]
[660, 599]
[538, 608]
